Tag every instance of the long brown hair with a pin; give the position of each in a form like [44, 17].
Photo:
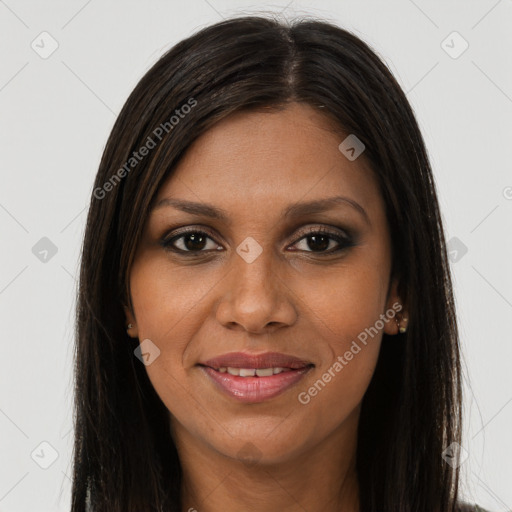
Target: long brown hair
[124, 457]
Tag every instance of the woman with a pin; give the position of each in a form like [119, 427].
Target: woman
[265, 318]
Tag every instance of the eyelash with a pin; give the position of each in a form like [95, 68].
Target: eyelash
[344, 241]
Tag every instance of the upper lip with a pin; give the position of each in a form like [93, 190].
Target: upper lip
[265, 360]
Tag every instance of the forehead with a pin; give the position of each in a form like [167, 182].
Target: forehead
[256, 161]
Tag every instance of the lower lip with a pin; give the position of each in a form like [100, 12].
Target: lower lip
[255, 389]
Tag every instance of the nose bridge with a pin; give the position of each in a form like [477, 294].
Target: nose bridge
[252, 272]
[252, 296]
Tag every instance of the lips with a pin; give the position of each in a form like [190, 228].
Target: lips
[265, 360]
[251, 378]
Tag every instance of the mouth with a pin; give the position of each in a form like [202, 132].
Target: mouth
[255, 378]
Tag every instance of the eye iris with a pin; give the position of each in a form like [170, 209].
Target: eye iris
[320, 242]
[197, 240]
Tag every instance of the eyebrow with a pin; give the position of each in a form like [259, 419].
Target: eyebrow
[293, 210]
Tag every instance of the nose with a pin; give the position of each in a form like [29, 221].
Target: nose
[254, 297]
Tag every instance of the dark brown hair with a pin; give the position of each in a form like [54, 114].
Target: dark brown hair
[124, 457]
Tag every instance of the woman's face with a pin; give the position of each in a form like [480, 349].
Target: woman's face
[257, 280]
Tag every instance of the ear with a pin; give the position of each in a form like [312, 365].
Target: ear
[133, 331]
[396, 310]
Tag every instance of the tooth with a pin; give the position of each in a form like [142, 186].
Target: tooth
[223, 369]
[233, 371]
[277, 370]
[247, 372]
[264, 372]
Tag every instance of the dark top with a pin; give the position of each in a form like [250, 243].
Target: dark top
[468, 507]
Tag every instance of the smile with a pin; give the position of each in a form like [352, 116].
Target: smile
[254, 385]
[252, 372]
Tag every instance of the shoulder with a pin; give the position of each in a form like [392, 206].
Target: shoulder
[468, 507]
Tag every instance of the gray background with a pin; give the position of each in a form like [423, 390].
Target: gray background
[57, 112]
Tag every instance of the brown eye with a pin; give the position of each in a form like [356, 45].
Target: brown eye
[192, 241]
[319, 240]
[316, 240]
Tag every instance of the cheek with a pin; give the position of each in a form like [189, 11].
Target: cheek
[346, 301]
[167, 299]
[346, 320]
[346, 309]
[169, 304]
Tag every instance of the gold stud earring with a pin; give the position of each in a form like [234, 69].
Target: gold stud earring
[401, 329]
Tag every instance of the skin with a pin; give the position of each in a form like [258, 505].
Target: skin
[278, 455]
